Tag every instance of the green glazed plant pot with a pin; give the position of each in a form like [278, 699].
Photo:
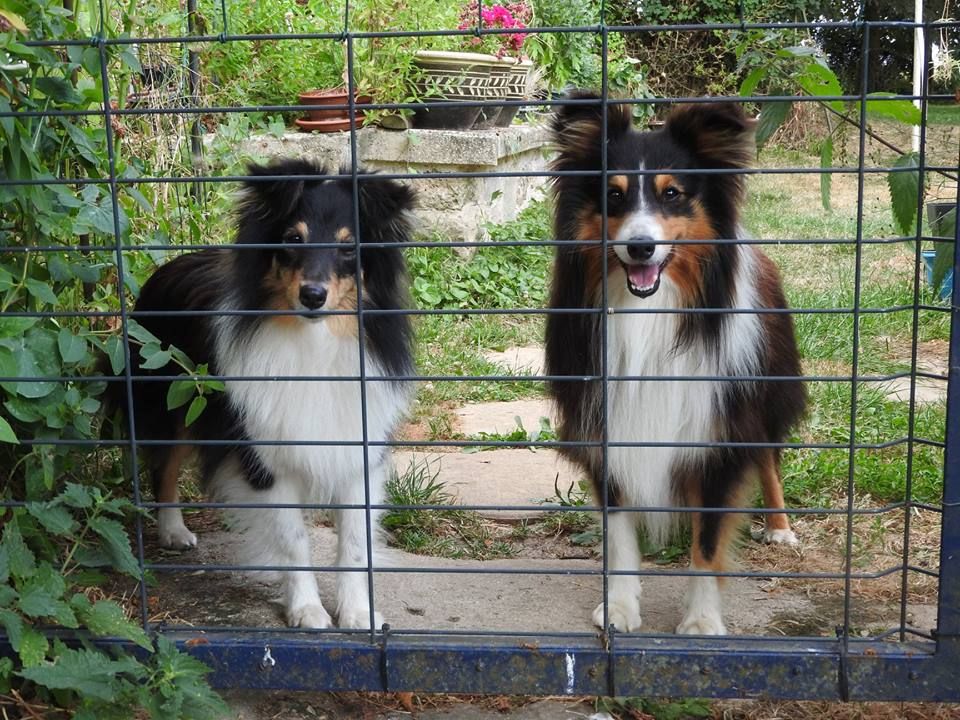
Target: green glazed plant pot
[518, 88]
[452, 76]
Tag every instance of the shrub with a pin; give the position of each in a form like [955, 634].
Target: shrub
[68, 524]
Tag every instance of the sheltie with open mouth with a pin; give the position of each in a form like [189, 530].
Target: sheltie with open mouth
[265, 318]
[689, 346]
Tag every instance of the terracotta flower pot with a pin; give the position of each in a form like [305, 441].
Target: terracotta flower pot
[321, 117]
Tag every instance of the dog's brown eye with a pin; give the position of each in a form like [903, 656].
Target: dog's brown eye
[671, 193]
[293, 239]
[614, 196]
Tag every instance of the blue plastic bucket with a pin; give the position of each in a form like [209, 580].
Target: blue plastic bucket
[946, 288]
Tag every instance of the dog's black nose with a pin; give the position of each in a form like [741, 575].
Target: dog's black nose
[312, 296]
[641, 247]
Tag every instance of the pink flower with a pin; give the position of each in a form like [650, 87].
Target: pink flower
[512, 16]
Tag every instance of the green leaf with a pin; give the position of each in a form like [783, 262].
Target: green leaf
[750, 82]
[41, 291]
[55, 519]
[114, 350]
[7, 435]
[77, 496]
[13, 626]
[15, 327]
[6, 671]
[73, 348]
[117, 544]
[83, 142]
[895, 109]
[86, 672]
[772, 115]
[58, 89]
[196, 407]
[106, 619]
[153, 358]
[180, 393]
[826, 179]
[904, 192]
[820, 81]
[139, 333]
[29, 360]
[33, 647]
[37, 601]
[23, 564]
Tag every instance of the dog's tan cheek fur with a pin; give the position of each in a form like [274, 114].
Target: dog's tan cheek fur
[342, 295]
[282, 286]
[686, 268]
[590, 229]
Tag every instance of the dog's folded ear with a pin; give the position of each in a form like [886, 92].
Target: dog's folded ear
[384, 207]
[578, 128]
[719, 134]
[279, 196]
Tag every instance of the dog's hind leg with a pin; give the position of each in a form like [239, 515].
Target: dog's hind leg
[776, 525]
[353, 597]
[165, 472]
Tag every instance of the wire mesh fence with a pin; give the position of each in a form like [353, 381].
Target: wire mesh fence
[866, 608]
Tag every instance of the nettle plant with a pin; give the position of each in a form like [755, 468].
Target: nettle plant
[66, 522]
[802, 70]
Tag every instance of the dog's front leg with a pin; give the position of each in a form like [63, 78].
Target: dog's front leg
[623, 590]
[353, 597]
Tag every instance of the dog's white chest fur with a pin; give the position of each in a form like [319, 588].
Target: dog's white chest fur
[327, 411]
[668, 411]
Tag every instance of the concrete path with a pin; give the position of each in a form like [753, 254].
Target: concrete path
[524, 360]
[520, 477]
[501, 595]
[501, 417]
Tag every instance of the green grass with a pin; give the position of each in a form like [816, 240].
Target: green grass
[943, 114]
[449, 532]
[543, 433]
[501, 278]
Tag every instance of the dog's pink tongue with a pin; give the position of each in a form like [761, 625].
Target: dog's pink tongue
[643, 276]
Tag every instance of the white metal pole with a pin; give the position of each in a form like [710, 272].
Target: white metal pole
[918, 61]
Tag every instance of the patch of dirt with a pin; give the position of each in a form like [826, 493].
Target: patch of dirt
[878, 542]
[933, 356]
[767, 710]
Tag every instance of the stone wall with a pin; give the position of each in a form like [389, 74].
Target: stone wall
[456, 208]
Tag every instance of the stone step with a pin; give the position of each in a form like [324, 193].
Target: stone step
[522, 360]
[510, 477]
[501, 417]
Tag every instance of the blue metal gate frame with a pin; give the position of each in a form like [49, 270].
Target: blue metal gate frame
[609, 663]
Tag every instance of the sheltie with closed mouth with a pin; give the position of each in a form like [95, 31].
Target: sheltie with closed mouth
[305, 433]
[672, 197]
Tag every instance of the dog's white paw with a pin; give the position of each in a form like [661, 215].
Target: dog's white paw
[309, 616]
[623, 614]
[173, 534]
[359, 619]
[702, 624]
[780, 536]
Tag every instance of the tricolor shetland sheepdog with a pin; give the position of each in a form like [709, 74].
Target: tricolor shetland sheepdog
[310, 274]
[661, 226]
